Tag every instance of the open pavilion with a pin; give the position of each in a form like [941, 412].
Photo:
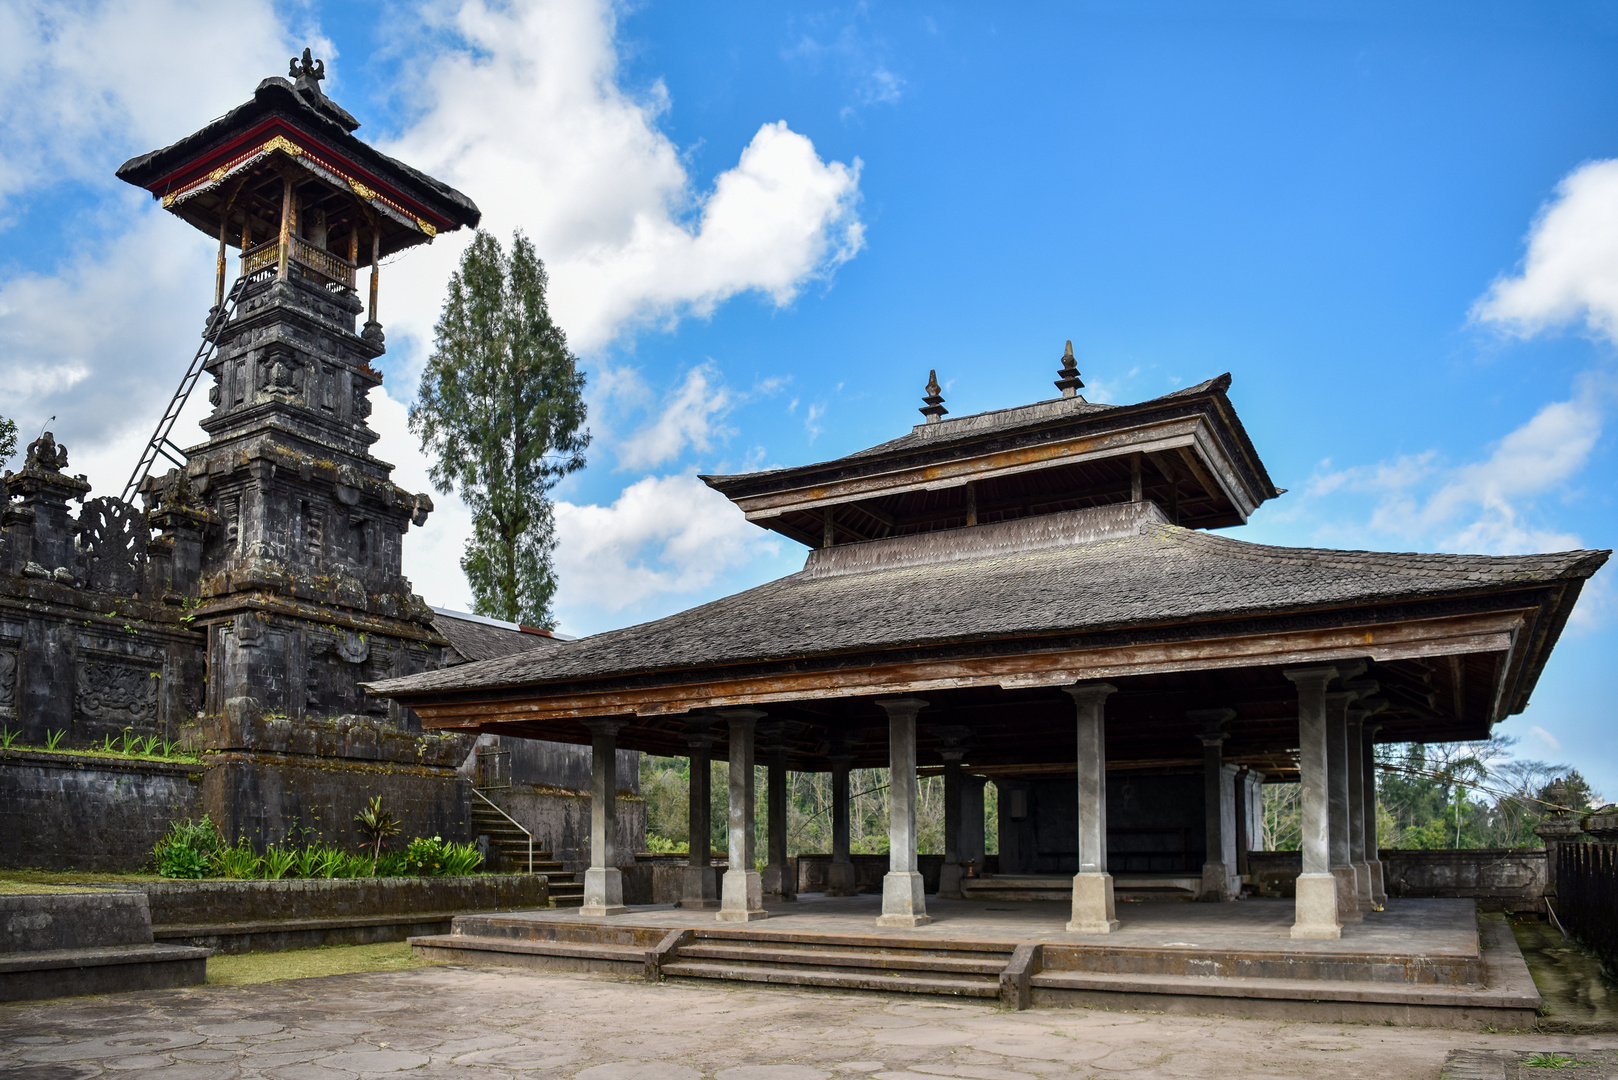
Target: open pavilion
[1033, 595]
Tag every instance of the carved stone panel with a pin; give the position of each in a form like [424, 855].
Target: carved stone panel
[117, 690]
[113, 537]
[8, 677]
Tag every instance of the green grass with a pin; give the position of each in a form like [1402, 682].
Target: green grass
[73, 877]
[244, 969]
[1553, 1061]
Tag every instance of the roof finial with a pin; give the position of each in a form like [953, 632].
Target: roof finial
[309, 67]
[1069, 383]
[934, 410]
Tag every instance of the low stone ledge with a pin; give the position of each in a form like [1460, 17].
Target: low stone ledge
[216, 903]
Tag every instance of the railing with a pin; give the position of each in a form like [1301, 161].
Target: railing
[1586, 901]
[493, 770]
[262, 259]
[515, 822]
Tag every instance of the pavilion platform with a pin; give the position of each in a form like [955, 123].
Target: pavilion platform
[1420, 962]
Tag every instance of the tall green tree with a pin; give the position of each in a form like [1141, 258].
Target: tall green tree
[501, 412]
[8, 438]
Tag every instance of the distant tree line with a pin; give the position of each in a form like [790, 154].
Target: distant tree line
[1448, 795]
[665, 784]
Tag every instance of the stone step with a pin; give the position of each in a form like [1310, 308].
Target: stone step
[1268, 964]
[574, 950]
[868, 960]
[1474, 996]
[841, 980]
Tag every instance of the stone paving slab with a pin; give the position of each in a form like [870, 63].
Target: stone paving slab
[497, 1024]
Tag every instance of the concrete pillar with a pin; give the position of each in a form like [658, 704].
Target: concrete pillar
[1373, 856]
[1219, 879]
[777, 880]
[904, 901]
[741, 896]
[701, 886]
[1244, 842]
[1093, 909]
[840, 874]
[1342, 868]
[603, 882]
[949, 877]
[1354, 765]
[1315, 910]
[973, 839]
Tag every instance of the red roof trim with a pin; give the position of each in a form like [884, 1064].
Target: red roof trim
[187, 175]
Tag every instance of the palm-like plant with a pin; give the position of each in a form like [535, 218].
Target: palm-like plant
[377, 826]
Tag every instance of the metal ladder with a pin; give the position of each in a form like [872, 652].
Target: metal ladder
[160, 443]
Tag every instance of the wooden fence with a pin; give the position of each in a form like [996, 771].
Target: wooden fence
[1587, 897]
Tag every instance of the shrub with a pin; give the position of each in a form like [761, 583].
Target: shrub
[240, 861]
[189, 849]
[392, 864]
[308, 862]
[434, 858]
[378, 826]
[277, 862]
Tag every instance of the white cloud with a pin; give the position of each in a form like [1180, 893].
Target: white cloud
[1492, 506]
[432, 552]
[528, 118]
[690, 417]
[1571, 269]
[1551, 742]
[82, 79]
[663, 536]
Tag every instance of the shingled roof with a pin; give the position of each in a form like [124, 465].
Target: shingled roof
[474, 637]
[1108, 568]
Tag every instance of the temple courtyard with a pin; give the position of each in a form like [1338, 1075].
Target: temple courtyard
[477, 1022]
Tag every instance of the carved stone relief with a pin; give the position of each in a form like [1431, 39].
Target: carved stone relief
[113, 535]
[8, 677]
[116, 689]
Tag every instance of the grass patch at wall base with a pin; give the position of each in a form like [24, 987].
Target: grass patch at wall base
[244, 969]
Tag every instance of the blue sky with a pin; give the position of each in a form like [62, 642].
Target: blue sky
[1394, 224]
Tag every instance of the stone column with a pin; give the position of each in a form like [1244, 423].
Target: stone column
[973, 845]
[1373, 851]
[777, 880]
[701, 887]
[1093, 909]
[840, 874]
[1353, 764]
[1254, 781]
[603, 882]
[1315, 910]
[904, 901]
[1337, 703]
[741, 894]
[1219, 880]
[949, 877]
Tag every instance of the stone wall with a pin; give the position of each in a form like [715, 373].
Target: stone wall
[1510, 879]
[67, 811]
[1154, 824]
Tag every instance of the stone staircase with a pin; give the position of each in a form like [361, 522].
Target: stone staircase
[508, 846]
[949, 968]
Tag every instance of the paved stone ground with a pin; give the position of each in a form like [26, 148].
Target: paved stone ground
[494, 1024]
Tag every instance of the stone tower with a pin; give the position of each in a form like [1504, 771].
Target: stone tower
[299, 586]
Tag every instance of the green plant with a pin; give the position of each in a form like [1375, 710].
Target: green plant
[129, 740]
[392, 864]
[7, 737]
[1551, 1060]
[662, 845]
[188, 850]
[53, 739]
[425, 857]
[277, 862]
[308, 862]
[148, 745]
[462, 859]
[377, 826]
[333, 863]
[240, 861]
